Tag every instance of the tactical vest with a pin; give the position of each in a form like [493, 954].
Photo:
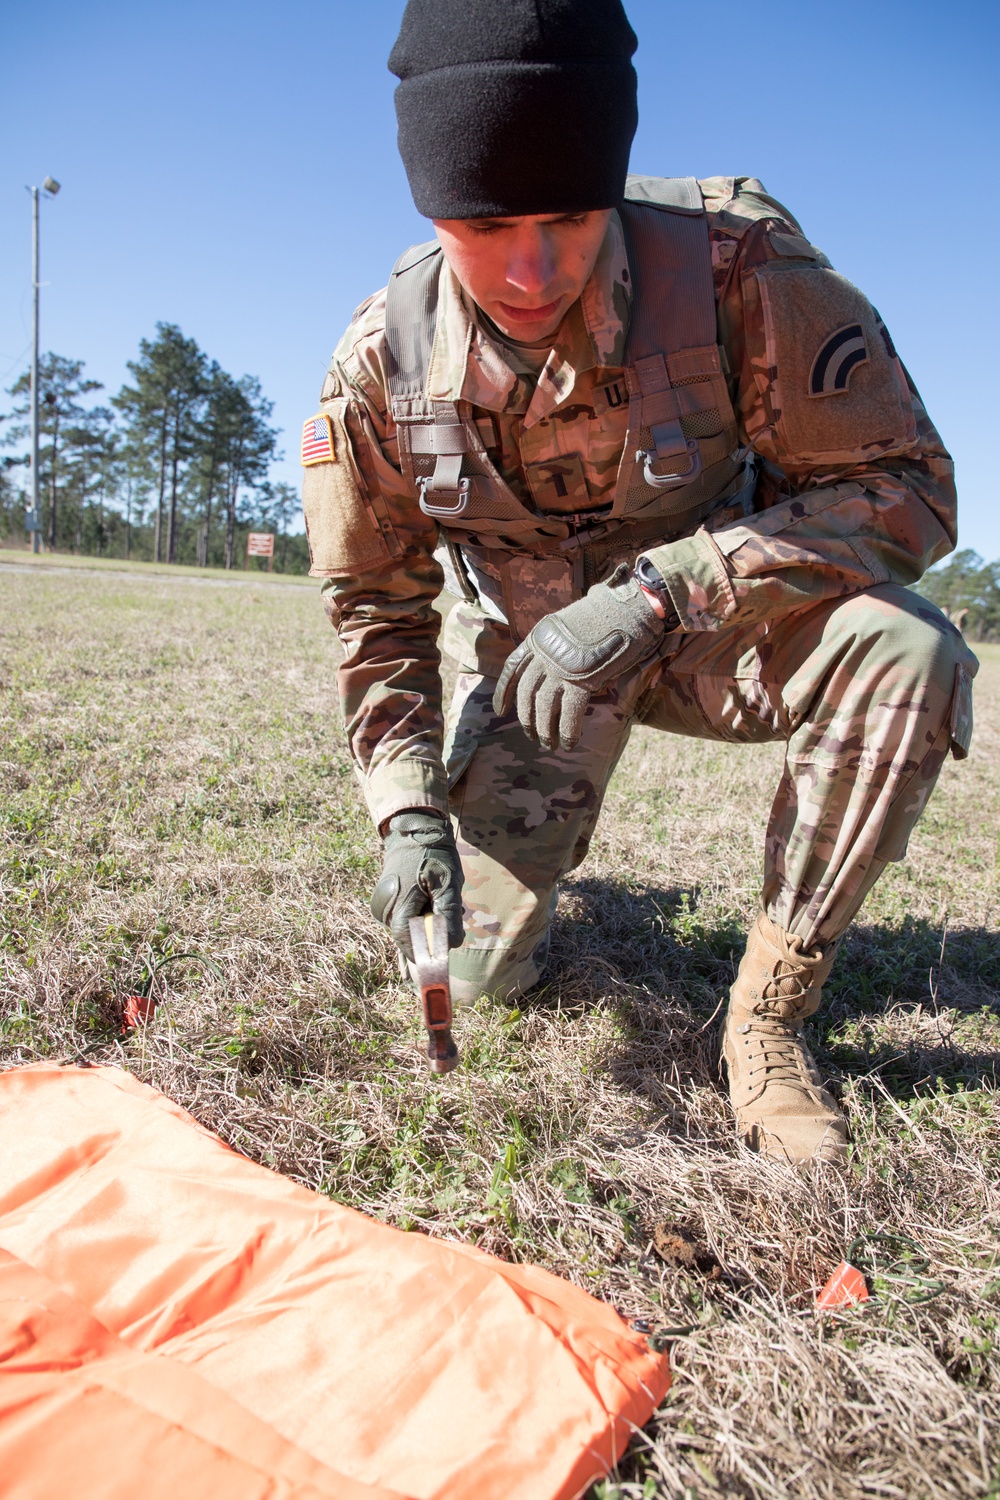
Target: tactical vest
[681, 458]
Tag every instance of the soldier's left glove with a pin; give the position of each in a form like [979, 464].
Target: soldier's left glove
[576, 652]
[421, 872]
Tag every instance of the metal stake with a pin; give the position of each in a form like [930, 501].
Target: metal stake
[429, 937]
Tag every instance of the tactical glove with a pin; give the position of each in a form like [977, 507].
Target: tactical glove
[575, 652]
[421, 872]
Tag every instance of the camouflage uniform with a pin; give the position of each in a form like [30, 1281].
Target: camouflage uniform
[795, 620]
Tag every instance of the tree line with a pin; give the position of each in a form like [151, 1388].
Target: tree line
[968, 590]
[175, 468]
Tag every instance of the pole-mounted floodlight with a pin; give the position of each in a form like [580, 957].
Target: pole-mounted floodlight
[33, 519]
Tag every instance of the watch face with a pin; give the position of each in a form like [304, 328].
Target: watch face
[648, 575]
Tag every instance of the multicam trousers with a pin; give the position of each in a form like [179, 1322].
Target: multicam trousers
[868, 694]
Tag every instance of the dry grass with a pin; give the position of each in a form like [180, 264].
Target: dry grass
[173, 781]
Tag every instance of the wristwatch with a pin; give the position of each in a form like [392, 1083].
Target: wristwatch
[652, 582]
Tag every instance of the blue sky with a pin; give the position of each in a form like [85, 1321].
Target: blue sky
[232, 168]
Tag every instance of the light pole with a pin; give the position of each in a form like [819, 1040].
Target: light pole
[33, 520]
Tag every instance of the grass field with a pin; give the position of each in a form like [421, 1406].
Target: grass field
[173, 781]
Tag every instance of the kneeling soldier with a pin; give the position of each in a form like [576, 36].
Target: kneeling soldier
[672, 466]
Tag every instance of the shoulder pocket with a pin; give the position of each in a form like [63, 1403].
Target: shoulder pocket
[343, 534]
[834, 383]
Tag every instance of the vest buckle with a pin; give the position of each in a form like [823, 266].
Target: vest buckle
[647, 457]
[462, 494]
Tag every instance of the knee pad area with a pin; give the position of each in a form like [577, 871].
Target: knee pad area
[502, 973]
[895, 629]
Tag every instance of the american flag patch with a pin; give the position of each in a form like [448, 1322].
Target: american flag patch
[317, 442]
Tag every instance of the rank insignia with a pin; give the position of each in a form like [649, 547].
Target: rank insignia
[837, 360]
[317, 442]
[558, 484]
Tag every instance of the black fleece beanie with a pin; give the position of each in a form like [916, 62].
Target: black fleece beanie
[510, 107]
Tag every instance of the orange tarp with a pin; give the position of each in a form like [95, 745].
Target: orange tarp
[176, 1321]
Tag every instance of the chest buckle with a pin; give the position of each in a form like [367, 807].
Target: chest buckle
[459, 494]
[648, 456]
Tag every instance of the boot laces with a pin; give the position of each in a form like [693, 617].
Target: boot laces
[787, 988]
[780, 1044]
[779, 1051]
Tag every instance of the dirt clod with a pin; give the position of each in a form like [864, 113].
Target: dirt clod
[678, 1247]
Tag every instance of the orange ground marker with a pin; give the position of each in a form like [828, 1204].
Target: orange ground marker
[136, 1010]
[845, 1287]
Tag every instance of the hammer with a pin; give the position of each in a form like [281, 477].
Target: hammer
[429, 936]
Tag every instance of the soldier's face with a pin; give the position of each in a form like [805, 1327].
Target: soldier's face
[526, 272]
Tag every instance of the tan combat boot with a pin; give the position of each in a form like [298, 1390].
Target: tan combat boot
[782, 1109]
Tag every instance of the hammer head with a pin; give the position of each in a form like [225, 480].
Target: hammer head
[429, 937]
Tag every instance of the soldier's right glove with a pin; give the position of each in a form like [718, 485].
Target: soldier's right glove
[421, 872]
[575, 652]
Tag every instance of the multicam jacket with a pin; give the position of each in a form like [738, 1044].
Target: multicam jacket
[855, 487]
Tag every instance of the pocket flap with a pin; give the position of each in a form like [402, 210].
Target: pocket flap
[961, 713]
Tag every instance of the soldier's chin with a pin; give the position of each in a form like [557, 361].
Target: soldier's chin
[528, 322]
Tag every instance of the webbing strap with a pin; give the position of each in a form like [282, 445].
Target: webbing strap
[448, 437]
[681, 195]
[672, 323]
[410, 322]
[673, 298]
[410, 318]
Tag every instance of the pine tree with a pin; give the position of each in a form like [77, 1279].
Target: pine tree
[218, 432]
[90, 479]
[62, 421]
[249, 451]
[161, 412]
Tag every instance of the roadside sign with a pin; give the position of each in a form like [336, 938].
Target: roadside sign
[261, 544]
